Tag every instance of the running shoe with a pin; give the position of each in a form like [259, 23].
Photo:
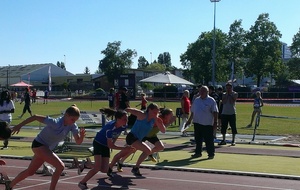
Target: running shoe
[222, 143]
[196, 155]
[83, 186]
[210, 157]
[7, 185]
[119, 167]
[136, 171]
[110, 173]
[81, 167]
[152, 158]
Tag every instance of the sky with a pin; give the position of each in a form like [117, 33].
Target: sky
[76, 31]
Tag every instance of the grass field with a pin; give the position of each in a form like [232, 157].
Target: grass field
[181, 158]
[269, 126]
[256, 163]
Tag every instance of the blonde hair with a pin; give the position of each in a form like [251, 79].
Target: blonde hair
[152, 106]
[186, 92]
[165, 111]
[73, 110]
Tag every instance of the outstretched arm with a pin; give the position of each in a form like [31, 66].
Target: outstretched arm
[17, 128]
[138, 113]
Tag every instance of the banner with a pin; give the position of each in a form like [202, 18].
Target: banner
[28, 78]
[50, 82]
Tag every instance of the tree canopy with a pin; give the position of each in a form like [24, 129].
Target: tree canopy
[255, 53]
[61, 65]
[165, 59]
[115, 61]
[263, 49]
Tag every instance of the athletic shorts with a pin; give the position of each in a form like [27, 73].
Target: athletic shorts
[152, 140]
[130, 138]
[257, 109]
[101, 150]
[36, 144]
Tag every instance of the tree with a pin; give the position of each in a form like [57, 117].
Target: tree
[294, 68]
[165, 59]
[236, 45]
[156, 67]
[282, 77]
[86, 70]
[295, 47]
[263, 49]
[142, 62]
[61, 65]
[115, 61]
[198, 58]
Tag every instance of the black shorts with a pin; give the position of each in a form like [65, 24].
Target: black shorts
[152, 140]
[101, 150]
[36, 144]
[130, 139]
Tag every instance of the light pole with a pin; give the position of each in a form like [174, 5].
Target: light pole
[214, 44]
[151, 57]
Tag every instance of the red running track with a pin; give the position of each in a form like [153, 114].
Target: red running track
[152, 179]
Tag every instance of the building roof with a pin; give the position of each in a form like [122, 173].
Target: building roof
[19, 70]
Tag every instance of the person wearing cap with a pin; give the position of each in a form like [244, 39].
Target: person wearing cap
[228, 113]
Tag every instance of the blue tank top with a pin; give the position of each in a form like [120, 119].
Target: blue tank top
[142, 127]
[256, 103]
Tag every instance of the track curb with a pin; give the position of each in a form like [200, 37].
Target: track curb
[184, 169]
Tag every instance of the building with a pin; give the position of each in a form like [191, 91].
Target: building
[34, 74]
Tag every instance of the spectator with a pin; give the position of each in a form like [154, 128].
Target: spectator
[5, 133]
[204, 114]
[7, 107]
[185, 111]
[220, 106]
[143, 103]
[27, 103]
[257, 105]
[46, 96]
[215, 96]
[33, 96]
[123, 101]
[118, 97]
[228, 113]
[111, 98]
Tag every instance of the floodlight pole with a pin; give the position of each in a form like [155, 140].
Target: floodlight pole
[214, 44]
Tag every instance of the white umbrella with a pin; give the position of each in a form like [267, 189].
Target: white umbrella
[166, 78]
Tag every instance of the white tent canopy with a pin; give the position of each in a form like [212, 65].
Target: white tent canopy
[166, 78]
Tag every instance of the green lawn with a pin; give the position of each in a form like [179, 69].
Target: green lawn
[268, 126]
[256, 163]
